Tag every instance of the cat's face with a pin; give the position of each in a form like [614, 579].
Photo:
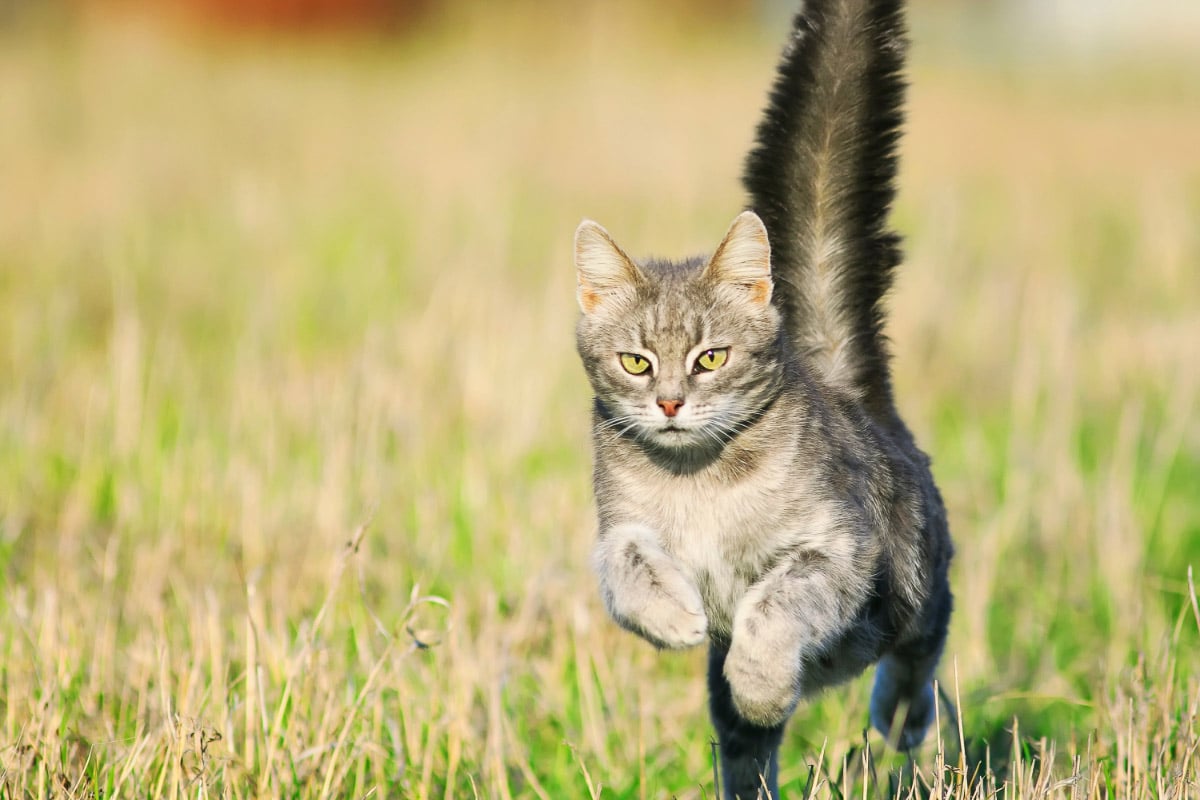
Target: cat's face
[680, 354]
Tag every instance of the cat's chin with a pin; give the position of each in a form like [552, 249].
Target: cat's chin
[681, 450]
[673, 437]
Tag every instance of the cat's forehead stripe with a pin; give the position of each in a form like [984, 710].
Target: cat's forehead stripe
[671, 326]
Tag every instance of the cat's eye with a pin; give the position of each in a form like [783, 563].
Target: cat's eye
[634, 364]
[710, 360]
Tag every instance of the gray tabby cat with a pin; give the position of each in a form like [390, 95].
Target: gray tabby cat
[756, 487]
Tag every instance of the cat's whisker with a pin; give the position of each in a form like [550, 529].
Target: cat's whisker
[619, 433]
[714, 435]
[616, 421]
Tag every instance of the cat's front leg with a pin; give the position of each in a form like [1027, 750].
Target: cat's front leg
[646, 590]
[794, 610]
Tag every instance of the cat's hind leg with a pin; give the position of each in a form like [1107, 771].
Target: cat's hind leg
[903, 693]
[748, 753]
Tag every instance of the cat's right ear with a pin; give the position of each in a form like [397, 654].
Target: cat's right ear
[601, 268]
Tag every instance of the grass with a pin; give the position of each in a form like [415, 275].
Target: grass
[294, 464]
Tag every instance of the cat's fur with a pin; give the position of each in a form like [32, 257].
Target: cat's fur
[775, 506]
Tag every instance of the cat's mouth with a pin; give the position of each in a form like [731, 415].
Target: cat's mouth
[674, 436]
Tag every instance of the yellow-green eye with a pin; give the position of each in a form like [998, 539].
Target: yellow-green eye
[634, 364]
[711, 359]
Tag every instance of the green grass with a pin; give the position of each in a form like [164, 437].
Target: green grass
[294, 463]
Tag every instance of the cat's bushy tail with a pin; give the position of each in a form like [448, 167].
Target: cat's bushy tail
[821, 177]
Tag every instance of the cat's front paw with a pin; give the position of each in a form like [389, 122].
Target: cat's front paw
[649, 594]
[764, 679]
[674, 620]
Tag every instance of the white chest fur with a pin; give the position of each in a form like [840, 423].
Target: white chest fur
[725, 534]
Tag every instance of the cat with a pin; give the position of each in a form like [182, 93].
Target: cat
[755, 486]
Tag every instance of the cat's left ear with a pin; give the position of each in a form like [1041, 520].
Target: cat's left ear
[743, 258]
[601, 268]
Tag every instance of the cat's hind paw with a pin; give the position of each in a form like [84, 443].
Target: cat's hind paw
[886, 710]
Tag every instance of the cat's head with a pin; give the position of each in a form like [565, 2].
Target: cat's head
[680, 354]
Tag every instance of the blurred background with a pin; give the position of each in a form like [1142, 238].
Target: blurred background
[274, 270]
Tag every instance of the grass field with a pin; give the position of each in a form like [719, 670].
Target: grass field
[294, 462]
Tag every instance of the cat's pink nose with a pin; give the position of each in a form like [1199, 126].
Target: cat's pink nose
[670, 407]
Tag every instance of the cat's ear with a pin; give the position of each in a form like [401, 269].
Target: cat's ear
[601, 268]
[743, 258]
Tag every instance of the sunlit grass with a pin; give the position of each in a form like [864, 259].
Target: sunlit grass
[259, 303]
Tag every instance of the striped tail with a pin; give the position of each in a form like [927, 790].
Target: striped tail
[821, 177]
